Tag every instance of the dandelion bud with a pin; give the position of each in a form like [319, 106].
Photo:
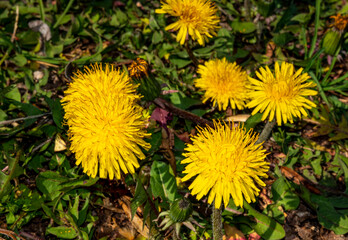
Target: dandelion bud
[331, 42]
[180, 210]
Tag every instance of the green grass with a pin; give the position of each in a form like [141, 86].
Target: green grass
[44, 194]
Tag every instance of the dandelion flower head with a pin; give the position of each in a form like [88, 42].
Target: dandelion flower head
[225, 163]
[138, 68]
[340, 22]
[224, 83]
[106, 126]
[282, 94]
[195, 17]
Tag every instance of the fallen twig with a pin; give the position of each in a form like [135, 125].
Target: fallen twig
[7, 122]
[182, 113]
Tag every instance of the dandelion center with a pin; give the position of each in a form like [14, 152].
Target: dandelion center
[279, 91]
[189, 15]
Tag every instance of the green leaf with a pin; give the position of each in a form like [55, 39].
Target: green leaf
[157, 37]
[252, 121]
[28, 39]
[329, 217]
[57, 111]
[14, 94]
[155, 141]
[74, 209]
[281, 39]
[5, 184]
[302, 17]
[338, 201]
[62, 232]
[84, 235]
[119, 19]
[337, 103]
[265, 8]
[36, 162]
[286, 18]
[182, 101]
[48, 211]
[265, 226]
[20, 60]
[275, 212]
[49, 183]
[243, 27]
[3, 115]
[35, 199]
[83, 212]
[316, 165]
[140, 197]
[162, 182]
[29, 109]
[5, 41]
[283, 195]
[345, 170]
[179, 62]
[344, 9]
[241, 53]
[261, 58]
[75, 183]
[53, 50]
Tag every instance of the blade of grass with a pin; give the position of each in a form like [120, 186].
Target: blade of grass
[63, 14]
[312, 60]
[5, 55]
[42, 10]
[55, 61]
[319, 68]
[334, 59]
[344, 167]
[304, 39]
[316, 26]
[320, 89]
[340, 79]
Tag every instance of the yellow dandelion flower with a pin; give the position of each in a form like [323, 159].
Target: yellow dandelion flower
[340, 23]
[226, 163]
[195, 17]
[282, 94]
[106, 126]
[138, 68]
[224, 83]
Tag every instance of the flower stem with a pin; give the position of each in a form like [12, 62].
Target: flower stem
[190, 53]
[217, 223]
[182, 113]
[266, 132]
[316, 26]
[247, 10]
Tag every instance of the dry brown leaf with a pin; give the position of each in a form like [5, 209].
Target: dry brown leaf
[298, 179]
[233, 233]
[59, 144]
[238, 118]
[137, 222]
